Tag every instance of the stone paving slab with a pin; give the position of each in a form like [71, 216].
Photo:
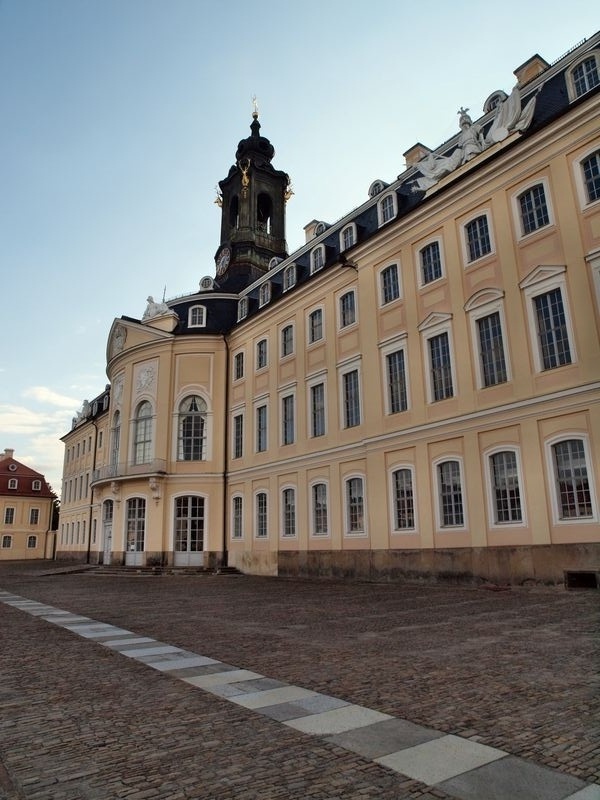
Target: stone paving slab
[383, 738]
[337, 721]
[436, 761]
[511, 778]
[284, 694]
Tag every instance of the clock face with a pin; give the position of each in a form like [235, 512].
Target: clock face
[223, 260]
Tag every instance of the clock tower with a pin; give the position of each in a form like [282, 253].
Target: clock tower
[252, 199]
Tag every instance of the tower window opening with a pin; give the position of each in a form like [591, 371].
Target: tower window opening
[264, 211]
[234, 212]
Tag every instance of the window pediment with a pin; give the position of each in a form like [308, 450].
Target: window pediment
[542, 273]
[483, 297]
[433, 320]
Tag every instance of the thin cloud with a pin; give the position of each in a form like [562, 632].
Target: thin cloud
[48, 396]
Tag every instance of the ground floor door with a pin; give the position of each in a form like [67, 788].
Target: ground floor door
[136, 532]
[107, 539]
[189, 531]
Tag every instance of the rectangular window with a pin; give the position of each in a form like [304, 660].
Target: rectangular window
[261, 429]
[315, 326]
[238, 366]
[261, 515]
[505, 487]
[136, 524]
[6, 542]
[34, 516]
[317, 259]
[396, 381]
[288, 500]
[390, 284]
[451, 504]
[355, 505]
[387, 209]
[238, 529]
[351, 398]
[431, 263]
[347, 237]
[478, 238]
[9, 516]
[317, 410]
[261, 354]
[287, 419]
[534, 209]
[31, 542]
[491, 350]
[319, 502]
[552, 329]
[287, 341]
[572, 484]
[238, 436]
[585, 76]
[347, 309]
[404, 510]
[441, 367]
[591, 177]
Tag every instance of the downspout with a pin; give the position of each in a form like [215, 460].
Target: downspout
[224, 553]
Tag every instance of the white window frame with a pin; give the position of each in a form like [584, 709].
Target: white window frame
[382, 205]
[577, 165]
[258, 367]
[239, 358]
[316, 380]
[34, 516]
[234, 537]
[235, 414]
[201, 312]
[399, 343]
[431, 327]
[518, 214]
[412, 529]
[351, 366]
[288, 488]
[13, 483]
[317, 262]
[289, 326]
[362, 532]
[487, 455]
[36, 486]
[481, 212]
[591, 54]
[32, 542]
[419, 261]
[437, 494]
[143, 448]
[551, 477]
[351, 230]
[309, 340]
[341, 312]
[593, 260]
[541, 281]
[483, 304]
[7, 541]
[289, 277]
[261, 537]
[283, 398]
[9, 515]
[242, 312]
[313, 533]
[263, 402]
[264, 294]
[384, 270]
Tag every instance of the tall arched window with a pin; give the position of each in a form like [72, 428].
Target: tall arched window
[264, 210]
[234, 212]
[192, 429]
[142, 443]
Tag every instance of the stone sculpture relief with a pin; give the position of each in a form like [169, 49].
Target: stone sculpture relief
[509, 117]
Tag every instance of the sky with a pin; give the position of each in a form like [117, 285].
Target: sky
[119, 117]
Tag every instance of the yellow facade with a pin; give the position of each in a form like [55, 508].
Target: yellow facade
[480, 461]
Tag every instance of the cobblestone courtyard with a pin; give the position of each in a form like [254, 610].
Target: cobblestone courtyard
[515, 670]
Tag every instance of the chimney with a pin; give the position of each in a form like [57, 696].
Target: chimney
[8, 453]
[533, 67]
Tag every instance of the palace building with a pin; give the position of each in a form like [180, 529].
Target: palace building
[414, 392]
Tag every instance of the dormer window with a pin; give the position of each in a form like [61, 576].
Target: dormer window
[264, 294]
[584, 76]
[197, 317]
[289, 277]
[348, 237]
[320, 228]
[13, 483]
[494, 101]
[387, 208]
[242, 309]
[274, 262]
[376, 188]
[36, 486]
[317, 258]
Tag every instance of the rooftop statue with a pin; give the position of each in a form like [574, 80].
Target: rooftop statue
[154, 309]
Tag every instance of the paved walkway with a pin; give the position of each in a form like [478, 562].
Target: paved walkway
[393, 755]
